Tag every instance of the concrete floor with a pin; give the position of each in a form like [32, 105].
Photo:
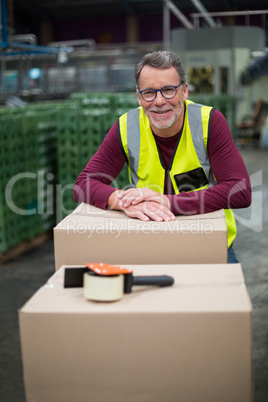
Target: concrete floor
[21, 278]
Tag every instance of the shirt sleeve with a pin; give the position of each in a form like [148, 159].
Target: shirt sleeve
[93, 185]
[233, 189]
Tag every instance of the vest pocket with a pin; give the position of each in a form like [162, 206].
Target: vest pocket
[192, 180]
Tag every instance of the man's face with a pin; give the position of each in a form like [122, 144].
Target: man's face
[164, 114]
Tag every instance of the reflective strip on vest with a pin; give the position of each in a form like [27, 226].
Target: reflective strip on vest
[198, 122]
[133, 140]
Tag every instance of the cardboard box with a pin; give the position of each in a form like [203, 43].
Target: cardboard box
[90, 234]
[189, 342]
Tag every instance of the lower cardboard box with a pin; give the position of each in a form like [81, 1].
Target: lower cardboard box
[94, 234]
[188, 342]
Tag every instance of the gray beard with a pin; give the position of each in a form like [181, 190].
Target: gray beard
[162, 125]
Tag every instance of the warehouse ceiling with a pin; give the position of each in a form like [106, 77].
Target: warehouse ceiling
[64, 9]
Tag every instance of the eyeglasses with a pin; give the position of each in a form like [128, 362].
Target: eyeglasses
[167, 92]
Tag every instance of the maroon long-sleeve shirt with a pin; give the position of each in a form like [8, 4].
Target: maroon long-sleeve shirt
[233, 188]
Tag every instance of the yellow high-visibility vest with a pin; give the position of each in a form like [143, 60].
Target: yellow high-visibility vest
[190, 168]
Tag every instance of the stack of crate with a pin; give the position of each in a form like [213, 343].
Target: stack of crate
[68, 157]
[39, 129]
[12, 192]
[27, 170]
[123, 102]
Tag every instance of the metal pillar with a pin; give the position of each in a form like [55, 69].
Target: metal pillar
[179, 14]
[202, 9]
[166, 27]
[4, 21]
[4, 37]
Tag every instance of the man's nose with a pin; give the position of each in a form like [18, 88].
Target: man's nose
[159, 99]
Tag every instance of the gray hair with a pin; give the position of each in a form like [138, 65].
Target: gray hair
[160, 59]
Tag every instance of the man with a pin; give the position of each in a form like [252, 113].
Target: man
[181, 156]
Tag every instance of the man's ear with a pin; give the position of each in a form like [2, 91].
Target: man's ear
[139, 97]
[185, 91]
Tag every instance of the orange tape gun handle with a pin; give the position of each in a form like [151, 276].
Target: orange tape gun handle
[107, 269]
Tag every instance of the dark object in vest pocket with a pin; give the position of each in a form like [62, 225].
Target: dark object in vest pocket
[192, 180]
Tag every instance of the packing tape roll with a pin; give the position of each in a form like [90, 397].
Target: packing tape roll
[103, 288]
